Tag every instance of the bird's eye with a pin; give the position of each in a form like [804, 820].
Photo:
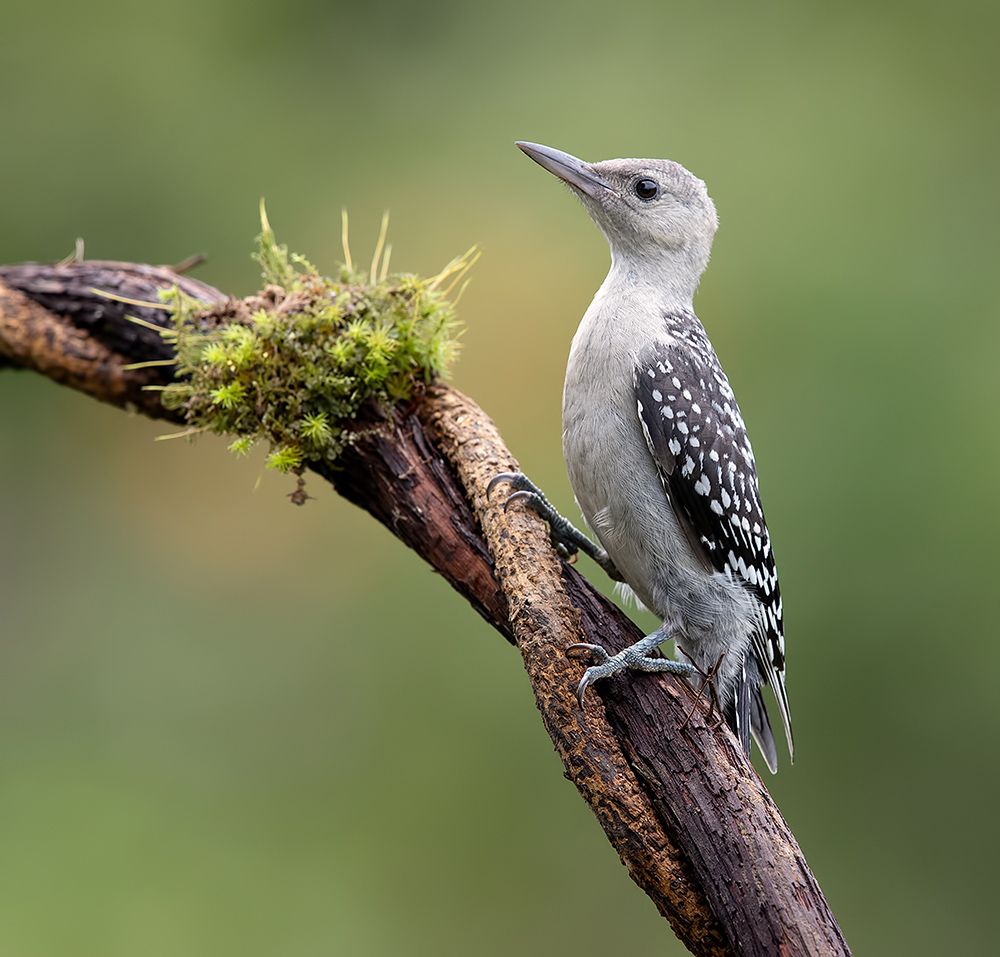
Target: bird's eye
[646, 188]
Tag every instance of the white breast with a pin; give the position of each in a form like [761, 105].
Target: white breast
[612, 473]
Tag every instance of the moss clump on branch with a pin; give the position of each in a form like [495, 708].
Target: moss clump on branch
[294, 365]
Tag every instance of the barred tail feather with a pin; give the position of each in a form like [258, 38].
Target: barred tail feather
[774, 675]
[738, 714]
[760, 723]
[748, 714]
[778, 683]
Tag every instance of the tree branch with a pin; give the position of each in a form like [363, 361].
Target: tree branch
[683, 807]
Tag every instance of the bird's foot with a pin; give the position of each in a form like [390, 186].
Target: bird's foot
[636, 657]
[561, 530]
[566, 538]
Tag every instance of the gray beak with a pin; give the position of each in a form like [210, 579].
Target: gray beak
[568, 168]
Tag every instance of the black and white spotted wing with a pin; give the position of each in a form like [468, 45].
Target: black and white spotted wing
[699, 442]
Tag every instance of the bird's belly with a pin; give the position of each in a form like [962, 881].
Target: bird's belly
[620, 494]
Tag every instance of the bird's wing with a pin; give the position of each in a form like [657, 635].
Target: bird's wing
[698, 440]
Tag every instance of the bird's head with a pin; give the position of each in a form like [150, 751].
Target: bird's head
[649, 209]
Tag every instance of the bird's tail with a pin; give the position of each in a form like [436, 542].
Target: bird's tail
[747, 714]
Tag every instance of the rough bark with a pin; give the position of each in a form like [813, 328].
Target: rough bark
[686, 811]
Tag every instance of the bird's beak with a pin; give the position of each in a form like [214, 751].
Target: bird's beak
[568, 168]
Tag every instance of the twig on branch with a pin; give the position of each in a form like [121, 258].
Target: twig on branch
[683, 807]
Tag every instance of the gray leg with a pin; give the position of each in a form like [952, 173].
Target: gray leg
[634, 658]
[566, 537]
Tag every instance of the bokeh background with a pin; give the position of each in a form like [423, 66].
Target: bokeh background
[233, 727]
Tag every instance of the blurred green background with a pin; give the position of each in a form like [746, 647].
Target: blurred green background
[233, 727]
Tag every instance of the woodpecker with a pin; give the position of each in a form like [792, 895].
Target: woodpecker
[658, 453]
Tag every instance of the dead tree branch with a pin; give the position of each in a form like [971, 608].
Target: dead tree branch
[685, 810]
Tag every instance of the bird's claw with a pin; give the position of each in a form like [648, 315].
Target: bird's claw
[637, 657]
[532, 496]
[524, 491]
[522, 495]
[594, 672]
[513, 477]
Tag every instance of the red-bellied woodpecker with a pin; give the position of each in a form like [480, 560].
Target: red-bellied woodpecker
[657, 450]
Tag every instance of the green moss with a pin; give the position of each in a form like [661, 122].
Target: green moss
[294, 365]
